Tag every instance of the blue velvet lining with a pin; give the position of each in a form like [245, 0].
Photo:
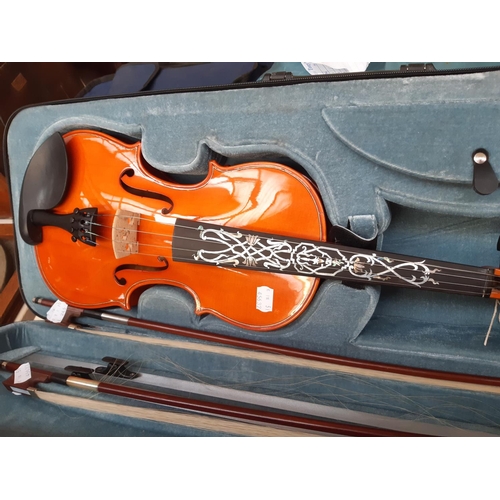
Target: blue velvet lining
[27, 416]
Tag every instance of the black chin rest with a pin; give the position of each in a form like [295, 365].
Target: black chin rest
[44, 185]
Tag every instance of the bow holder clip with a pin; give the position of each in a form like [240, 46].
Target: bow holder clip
[116, 368]
[484, 179]
[80, 371]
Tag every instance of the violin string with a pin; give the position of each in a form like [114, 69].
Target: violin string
[153, 234]
[277, 238]
[375, 283]
[479, 273]
[441, 282]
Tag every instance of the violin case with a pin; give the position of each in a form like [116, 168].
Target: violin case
[391, 155]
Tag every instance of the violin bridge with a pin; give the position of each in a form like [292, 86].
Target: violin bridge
[124, 233]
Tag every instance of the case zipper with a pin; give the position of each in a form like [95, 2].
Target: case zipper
[409, 70]
[282, 78]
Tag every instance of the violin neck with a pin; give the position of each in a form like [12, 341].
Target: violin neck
[209, 244]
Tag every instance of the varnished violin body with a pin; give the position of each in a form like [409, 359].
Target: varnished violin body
[113, 268]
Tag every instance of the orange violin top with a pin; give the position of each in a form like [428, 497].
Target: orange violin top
[133, 236]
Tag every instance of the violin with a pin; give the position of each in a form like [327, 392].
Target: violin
[249, 242]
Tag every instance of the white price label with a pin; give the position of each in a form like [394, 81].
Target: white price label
[56, 313]
[22, 374]
[265, 298]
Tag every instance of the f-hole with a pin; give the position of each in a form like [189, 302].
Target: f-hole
[129, 172]
[136, 267]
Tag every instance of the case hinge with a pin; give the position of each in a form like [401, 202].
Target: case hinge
[278, 76]
[417, 67]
